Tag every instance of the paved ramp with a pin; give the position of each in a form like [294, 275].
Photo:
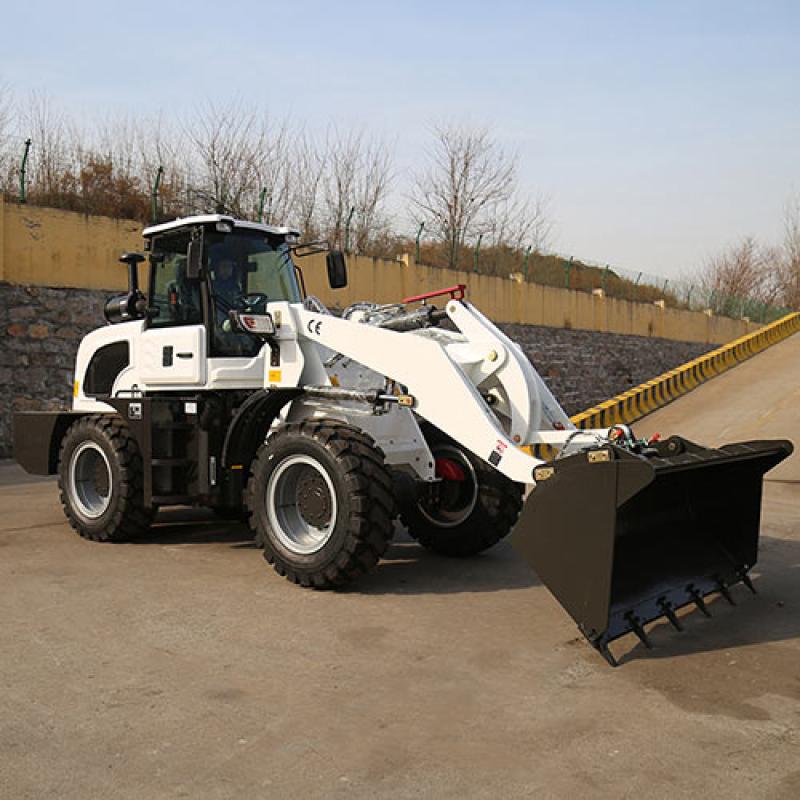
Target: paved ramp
[758, 399]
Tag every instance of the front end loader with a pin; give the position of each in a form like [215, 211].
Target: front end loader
[225, 385]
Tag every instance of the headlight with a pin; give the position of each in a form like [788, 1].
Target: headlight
[257, 324]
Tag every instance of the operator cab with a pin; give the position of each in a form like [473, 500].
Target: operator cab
[204, 267]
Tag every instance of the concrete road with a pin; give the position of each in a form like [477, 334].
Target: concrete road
[181, 666]
[758, 399]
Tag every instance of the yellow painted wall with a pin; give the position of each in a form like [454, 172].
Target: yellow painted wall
[48, 247]
[504, 300]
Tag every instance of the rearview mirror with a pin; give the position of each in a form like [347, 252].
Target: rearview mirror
[337, 269]
[194, 258]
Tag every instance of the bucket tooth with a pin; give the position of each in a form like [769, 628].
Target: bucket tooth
[669, 613]
[698, 600]
[638, 629]
[725, 592]
[602, 648]
[745, 578]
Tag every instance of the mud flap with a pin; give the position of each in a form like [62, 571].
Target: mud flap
[622, 539]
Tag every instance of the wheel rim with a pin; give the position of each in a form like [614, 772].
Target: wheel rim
[301, 504]
[457, 499]
[89, 484]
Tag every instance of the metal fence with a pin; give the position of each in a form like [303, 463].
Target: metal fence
[684, 293]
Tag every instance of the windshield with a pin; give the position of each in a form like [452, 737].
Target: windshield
[246, 269]
[249, 262]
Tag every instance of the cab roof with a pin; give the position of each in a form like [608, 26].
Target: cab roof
[206, 219]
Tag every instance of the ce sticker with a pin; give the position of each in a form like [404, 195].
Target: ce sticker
[314, 326]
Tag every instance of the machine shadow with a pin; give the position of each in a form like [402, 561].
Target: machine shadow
[196, 526]
[406, 568]
[771, 615]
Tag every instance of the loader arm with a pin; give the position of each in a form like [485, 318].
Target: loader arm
[442, 392]
[534, 409]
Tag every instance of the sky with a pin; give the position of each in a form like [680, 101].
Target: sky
[660, 132]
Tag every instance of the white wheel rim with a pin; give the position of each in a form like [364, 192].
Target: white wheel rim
[88, 466]
[294, 530]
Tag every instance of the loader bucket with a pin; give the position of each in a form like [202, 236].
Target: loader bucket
[623, 539]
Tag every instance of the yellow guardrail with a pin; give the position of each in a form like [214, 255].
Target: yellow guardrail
[647, 397]
[650, 395]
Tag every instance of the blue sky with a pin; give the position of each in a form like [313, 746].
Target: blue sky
[660, 131]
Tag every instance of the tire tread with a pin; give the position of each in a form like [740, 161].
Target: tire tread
[499, 506]
[370, 526]
[131, 518]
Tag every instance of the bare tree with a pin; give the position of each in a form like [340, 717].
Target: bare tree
[342, 164]
[229, 146]
[357, 179]
[5, 111]
[163, 146]
[372, 185]
[50, 167]
[6, 146]
[744, 274]
[117, 140]
[309, 163]
[468, 180]
[790, 255]
[229, 156]
[520, 222]
[274, 174]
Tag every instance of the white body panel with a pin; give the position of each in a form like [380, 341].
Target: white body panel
[448, 374]
[125, 332]
[173, 356]
[236, 373]
[441, 389]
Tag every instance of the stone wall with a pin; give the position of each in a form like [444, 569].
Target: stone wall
[40, 329]
[583, 368]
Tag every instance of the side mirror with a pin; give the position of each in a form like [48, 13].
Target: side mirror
[337, 269]
[194, 259]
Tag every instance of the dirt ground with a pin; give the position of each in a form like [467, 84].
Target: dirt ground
[182, 666]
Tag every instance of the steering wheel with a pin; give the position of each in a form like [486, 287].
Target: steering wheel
[254, 302]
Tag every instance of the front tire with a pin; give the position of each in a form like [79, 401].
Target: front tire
[470, 508]
[320, 503]
[100, 477]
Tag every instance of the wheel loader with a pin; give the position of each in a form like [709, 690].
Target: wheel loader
[226, 385]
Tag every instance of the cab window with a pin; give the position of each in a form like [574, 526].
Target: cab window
[245, 267]
[175, 300]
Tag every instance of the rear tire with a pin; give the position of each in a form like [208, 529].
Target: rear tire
[466, 516]
[100, 476]
[320, 503]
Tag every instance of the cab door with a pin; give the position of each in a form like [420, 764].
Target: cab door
[174, 356]
[172, 347]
